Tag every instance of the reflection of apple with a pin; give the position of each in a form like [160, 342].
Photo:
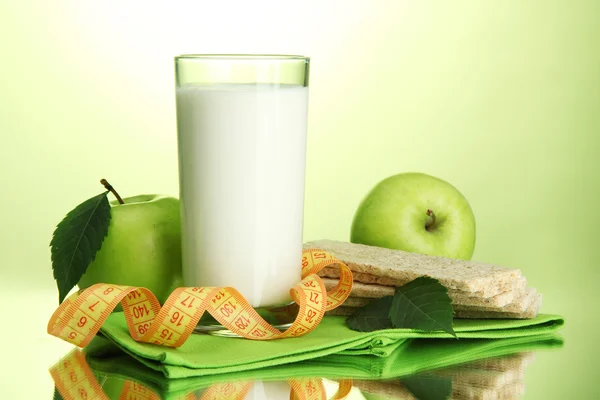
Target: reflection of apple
[143, 246]
[418, 213]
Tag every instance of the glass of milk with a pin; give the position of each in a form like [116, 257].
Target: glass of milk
[241, 128]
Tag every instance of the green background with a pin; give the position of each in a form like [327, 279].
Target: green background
[500, 98]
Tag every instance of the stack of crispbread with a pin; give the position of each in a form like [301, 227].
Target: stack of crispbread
[495, 378]
[477, 290]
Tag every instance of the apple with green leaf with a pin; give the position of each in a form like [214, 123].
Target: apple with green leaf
[418, 213]
[134, 241]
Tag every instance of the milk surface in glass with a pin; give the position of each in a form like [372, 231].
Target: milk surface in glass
[241, 168]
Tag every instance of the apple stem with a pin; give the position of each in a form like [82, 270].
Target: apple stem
[109, 187]
[430, 221]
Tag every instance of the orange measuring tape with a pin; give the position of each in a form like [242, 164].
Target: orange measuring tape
[75, 380]
[80, 316]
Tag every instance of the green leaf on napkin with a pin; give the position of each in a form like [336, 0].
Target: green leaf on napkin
[77, 239]
[428, 387]
[372, 317]
[422, 304]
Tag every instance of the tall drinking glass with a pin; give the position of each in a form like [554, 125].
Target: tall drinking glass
[241, 127]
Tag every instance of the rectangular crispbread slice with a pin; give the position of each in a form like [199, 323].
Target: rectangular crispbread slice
[351, 305]
[499, 300]
[520, 305]
[374, 291]
[397, 268]
[530, 312]
[509, 293]
[360, 289]
[356, 301]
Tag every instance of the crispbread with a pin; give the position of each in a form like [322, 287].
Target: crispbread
[520, 305]
[508, 293]
[530, 312]
[373, 291]
[362, 289]
[401, 267]
[356, 301]
[498, 300]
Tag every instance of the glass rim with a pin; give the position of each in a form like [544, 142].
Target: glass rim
[248, 57]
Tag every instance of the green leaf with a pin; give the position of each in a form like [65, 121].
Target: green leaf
[77, 239]
[422, 304]
[57, 395]
[428, 387]
[372, 317]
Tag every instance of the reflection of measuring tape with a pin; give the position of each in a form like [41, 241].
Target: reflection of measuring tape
[75, 381]
[80, 316]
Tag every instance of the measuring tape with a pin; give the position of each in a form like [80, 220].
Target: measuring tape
[75, 380]
[80, 316]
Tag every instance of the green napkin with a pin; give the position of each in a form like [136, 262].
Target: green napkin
[208, 355]
[414, 356]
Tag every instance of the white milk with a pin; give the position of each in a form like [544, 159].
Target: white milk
[242, 151]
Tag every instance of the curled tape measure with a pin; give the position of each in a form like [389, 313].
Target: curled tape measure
[80, 316]
[75, 380]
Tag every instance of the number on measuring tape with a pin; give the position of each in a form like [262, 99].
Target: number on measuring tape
[80, 316]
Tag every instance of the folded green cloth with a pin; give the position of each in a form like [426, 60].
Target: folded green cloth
[415, 356]
[208, 355]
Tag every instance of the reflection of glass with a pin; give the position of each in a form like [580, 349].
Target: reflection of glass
[464, 368]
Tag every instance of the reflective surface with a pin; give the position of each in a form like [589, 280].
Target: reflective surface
[102, 371]
[493, 378]
[531, 366]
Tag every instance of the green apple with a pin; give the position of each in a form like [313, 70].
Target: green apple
[418, 213]
[143, 246]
